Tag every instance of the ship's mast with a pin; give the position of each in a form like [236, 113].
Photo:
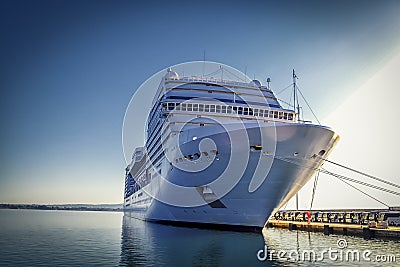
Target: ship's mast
[294, 97]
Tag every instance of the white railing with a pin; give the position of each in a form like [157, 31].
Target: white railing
[213, 80]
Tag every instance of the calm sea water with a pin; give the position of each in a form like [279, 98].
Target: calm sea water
[77, 238]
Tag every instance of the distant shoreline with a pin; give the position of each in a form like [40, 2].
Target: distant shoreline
[76, 207]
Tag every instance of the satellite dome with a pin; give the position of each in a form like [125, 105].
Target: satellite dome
[171, 74]
[256, 83]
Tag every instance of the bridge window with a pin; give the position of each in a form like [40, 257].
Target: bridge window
[226, 109]
[171, 106]
[271, 114]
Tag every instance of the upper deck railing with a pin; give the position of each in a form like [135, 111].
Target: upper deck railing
[217, 81]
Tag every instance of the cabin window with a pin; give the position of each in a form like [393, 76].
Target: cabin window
[183, 107]
[164, 106]
[250, 111]
[290, 116]
[240, 110]
[189, 107]
[207, 108]
[223, 109]
[195, 107]
[256, 111]
[171, 106]
[218, 108]
[245, 111]
[212, 108]
[201, 107]
[280, 115]
[275, 114]
[285, 116]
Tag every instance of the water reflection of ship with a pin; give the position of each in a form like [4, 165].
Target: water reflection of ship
[150, 244]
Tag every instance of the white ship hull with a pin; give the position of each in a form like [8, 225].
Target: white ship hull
[294, 161]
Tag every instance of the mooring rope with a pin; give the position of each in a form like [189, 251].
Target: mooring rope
[341, 178]
[362, 173]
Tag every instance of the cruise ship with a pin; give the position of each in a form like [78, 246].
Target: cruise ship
[221, 152]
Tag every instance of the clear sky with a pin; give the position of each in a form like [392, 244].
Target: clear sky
[69, 69]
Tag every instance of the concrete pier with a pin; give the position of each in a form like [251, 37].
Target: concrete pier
[338, 229]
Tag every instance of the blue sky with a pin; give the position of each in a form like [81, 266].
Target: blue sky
[69, 69]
